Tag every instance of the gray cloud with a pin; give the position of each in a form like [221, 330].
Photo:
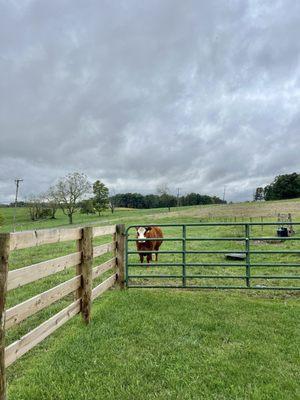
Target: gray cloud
[197, 94]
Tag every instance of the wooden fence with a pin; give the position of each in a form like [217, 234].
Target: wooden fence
[81, 285]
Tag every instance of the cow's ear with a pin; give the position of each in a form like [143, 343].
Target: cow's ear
[148, 228]
[136, 228]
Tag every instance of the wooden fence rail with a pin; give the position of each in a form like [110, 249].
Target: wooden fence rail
[81, 284]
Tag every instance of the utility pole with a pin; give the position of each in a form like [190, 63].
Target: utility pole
[224, 193]
[178, 194]
[17, 182]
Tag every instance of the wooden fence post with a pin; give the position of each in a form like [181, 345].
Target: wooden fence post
[120, 252]
[78, 293]
[4, 255]
[86, 273]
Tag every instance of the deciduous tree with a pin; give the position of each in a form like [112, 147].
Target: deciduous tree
[283, 187]
[68, 192]
[87, 207]
[259, 194]
[101, 197]
[51, 201]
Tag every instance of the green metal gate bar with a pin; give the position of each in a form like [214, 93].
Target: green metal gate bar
[184, 264]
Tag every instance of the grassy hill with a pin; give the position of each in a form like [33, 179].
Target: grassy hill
[23, 221]
[163, 344]
[240, 211]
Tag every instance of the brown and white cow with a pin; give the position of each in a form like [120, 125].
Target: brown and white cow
[144, 247]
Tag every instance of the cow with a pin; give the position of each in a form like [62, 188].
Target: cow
[144, 247]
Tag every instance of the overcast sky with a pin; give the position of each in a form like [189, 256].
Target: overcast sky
[196, 94]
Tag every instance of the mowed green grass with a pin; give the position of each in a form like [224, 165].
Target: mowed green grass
[23, 222]
[122, 345]
[164, 344]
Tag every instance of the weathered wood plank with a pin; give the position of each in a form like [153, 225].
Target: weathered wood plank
[23, 276]
[87, 273]
[103, 248]
[22, 240]
[100, 269]
[104, 230]
[34, 337]
[18, 313]
[98, 290]
[4, 255]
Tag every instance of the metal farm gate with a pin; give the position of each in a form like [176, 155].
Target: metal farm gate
[261, 262]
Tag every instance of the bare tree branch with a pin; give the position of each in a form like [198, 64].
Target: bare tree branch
[69, 190]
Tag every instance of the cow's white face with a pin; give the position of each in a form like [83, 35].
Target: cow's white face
[141, 234]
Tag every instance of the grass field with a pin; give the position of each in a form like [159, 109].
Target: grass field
[152, 344]
[23, 221]
[168, 345]
[232, 270]
[240, 211]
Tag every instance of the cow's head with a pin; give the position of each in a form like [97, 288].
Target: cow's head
[141, 233]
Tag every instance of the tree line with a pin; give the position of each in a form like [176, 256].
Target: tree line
[75, 193]
[283, 187]
[164, 200]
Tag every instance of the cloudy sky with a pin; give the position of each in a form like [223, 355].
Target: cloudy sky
[197, 94]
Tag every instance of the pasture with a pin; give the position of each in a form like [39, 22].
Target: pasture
[158, 344]
[212, 212]
[168, 345]
[234, 271]
[119, 216]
